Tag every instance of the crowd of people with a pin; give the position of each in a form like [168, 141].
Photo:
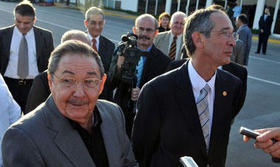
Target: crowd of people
[78, 104]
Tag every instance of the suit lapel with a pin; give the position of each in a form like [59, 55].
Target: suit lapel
[67, 139]
[219, 113]
[7, 42]
[38, 42]
[188, 105]
[101, 45]
[109, 134]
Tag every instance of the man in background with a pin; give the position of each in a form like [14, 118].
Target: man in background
[245, 35]
[152, 63]
[24, 51]
[94, 22]
[170, 42]
[265, 23]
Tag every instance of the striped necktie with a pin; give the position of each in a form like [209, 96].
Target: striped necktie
[203, 112]
[23, 58]
[172, 50]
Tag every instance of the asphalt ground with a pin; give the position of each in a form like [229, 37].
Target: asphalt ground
[262, 105]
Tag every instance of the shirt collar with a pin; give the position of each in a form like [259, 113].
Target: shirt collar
[96, 120]
[90, 37]
[197, 81]
[146, 50]
[29, 33]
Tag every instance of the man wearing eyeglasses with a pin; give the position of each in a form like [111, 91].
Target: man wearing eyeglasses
[189, 111]
[72, 128]
[152, 63]
[171, 42]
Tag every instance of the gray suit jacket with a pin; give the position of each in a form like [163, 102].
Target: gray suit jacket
[161, 42]
[44, 137]
[246, 36]
[238, 52]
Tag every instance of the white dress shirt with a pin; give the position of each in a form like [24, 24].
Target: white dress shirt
[178, 45]
[97, 41]
[9, 111]
[198, 83]
[11, 71]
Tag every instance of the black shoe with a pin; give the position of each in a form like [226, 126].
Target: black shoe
[264, 54]
[257, 52]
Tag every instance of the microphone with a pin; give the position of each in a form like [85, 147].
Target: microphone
[188, 161]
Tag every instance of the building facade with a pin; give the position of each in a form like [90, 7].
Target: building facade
[252, 8]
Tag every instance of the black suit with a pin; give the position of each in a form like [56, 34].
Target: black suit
[264, 25]
[167, 125]
[44, 47]
[155, 64]
[106, 50]
[39, 92]
[233, 68]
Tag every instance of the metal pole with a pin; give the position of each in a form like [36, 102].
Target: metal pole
[196, 6]
[179, 4]
[187, 7]
[225, 4]
[156, 7]
[146, 8]
[275, 16]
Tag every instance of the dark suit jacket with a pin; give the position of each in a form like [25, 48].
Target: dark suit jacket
[38, 93]
[156, 63]
[265, 25]
[45, 138]
[43, 42]
[233, 68]
[106, 50]
[167, 125]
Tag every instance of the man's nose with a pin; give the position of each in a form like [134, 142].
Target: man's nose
[79, 90]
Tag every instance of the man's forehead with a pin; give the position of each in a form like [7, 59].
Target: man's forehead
[96, 17]
[146, 22]
[221, 21]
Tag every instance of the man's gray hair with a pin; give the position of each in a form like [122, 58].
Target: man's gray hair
[146, 16]
[73, 47]
[178, 13]
[75, 35]
[93, 11]
[199, 21]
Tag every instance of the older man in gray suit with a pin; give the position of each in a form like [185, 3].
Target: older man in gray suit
[72, 128]
[170, 42]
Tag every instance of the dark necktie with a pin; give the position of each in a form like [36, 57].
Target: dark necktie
[23, 58]
[172, 50]
[94, 44]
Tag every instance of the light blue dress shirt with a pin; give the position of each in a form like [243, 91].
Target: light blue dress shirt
[140, 66]
[9, 111]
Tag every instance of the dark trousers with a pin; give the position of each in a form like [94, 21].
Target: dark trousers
[263, 38]
[19, 88]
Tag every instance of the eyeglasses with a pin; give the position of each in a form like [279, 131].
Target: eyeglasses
[69, 82]
[227, 34]
[148, 30]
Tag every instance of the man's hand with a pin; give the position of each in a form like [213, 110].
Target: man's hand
[135, 94]
[265, 141]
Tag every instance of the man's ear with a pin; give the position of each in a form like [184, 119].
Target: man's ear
[34, 20]
[156, 32]
[50, 81]
[134, 30]
[103, 80]
[198, 39]
[85, 23]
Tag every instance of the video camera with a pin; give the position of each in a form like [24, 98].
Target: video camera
[128, 49]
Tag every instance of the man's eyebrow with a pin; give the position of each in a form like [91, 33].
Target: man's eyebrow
[68, 72]
[92, 73]
[225, 28]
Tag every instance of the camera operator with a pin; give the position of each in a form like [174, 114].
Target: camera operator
[148, 62]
